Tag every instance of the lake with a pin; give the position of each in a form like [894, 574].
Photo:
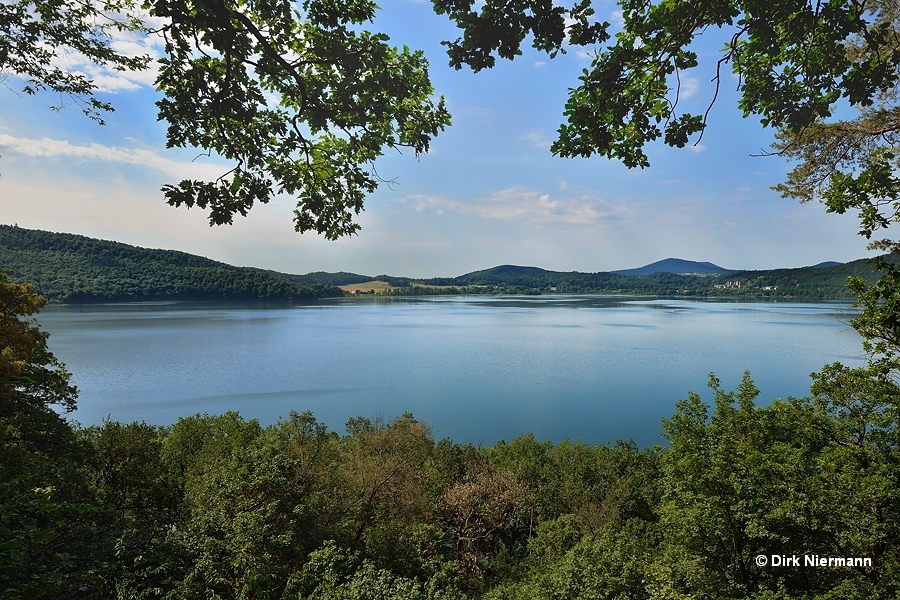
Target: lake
[478, 369]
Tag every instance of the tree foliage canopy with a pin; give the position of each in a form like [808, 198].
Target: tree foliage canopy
[299, 97]
[28, 370]
[303, 102]
[795, 60]
[34, 34]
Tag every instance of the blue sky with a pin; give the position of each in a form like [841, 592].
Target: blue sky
[488, 193]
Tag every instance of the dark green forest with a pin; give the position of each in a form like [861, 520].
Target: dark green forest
[73, 268]
[218, 506]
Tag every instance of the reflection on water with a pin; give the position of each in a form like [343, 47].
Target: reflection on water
[478, 368]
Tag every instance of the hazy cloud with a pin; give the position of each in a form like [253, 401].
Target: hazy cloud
[127, 43]
[740, 194]
[689, 87]
[47, 147]
[526, 206]
[536, 138]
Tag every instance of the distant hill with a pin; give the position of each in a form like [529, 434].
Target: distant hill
[670, 277]
[533, 278]
[676, 265]
[825, 265]
[74, 268]
[818, 281]
[322, 278]
[699, 279]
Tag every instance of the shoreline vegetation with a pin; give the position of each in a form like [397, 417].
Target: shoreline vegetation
[73, 269]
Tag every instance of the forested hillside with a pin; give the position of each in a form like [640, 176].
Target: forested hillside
[676, 265]
[73, 268]
[532, 278]
[323, 278]
[806, 282]
[802, 283]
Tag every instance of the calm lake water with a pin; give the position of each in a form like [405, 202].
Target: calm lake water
[479, 369]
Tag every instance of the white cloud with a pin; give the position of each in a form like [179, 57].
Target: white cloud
[741, 193]
[525, 206]
[539, 64]
[616, 18]
[130, 44]
[47, 147]
[689, 87]
[536, 138]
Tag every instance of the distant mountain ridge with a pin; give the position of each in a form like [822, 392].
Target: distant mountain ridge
[825, 265]
[817, 282]
[678, 266]
[75, 268]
